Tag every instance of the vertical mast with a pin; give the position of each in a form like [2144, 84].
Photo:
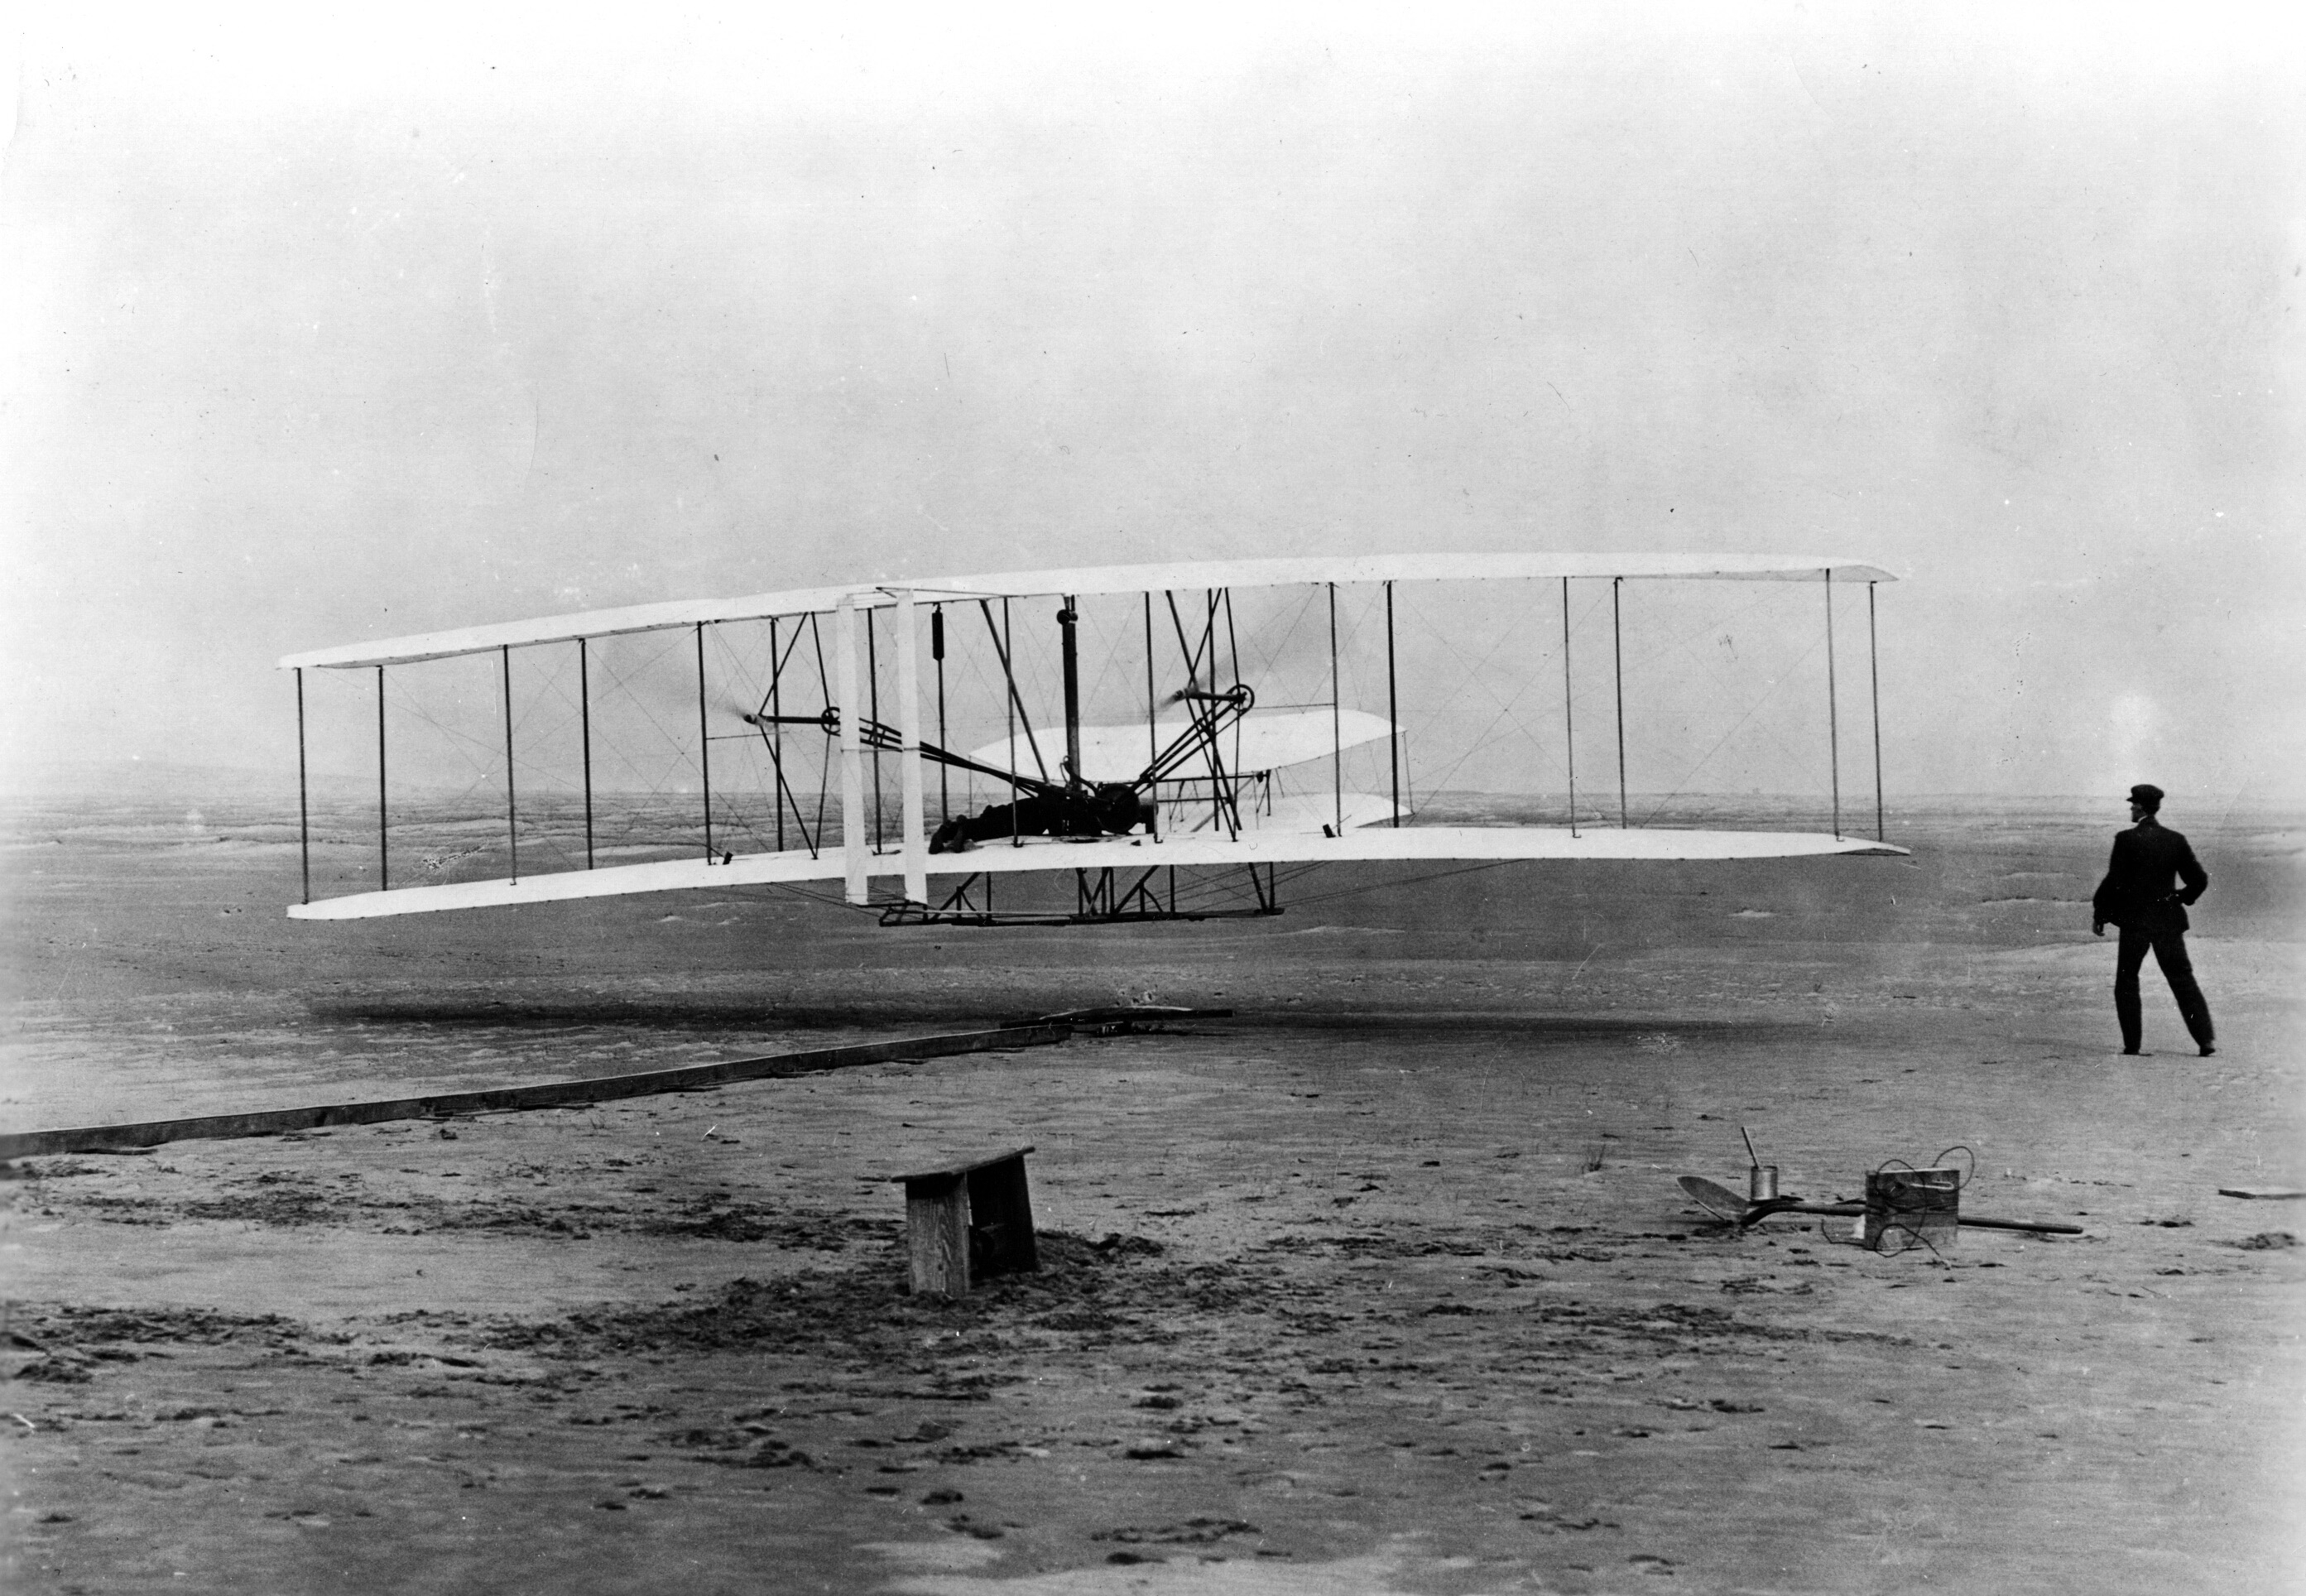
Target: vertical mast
[936, 652]
[1067, 617]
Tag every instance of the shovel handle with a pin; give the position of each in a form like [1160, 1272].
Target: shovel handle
[1852, 1209]
[2034, 1226]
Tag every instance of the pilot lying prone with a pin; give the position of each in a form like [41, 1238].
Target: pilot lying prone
[1110, 809]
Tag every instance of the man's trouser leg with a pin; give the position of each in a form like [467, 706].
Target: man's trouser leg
[2170, 953]
[2126, 959]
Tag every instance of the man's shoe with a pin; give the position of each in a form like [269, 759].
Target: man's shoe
[2130, 1052]
[2207, 1049]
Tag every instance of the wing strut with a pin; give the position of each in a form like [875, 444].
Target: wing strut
[1152, 731]
[1617, 653]
[383, 857]
[852, 776]
[873, 712]
[584, 719]
[1337, 725]
[774, 733]
[909, 756]
[703, 742]
[1832, 719]
[1001, 641]
[1392, 708]
[512, 808]
[1873, 672]
[824, 766]
[303, 808]
[1569, 716]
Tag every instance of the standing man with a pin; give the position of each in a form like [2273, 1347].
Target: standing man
[2153, 876]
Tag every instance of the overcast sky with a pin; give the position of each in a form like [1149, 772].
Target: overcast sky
[314, 338]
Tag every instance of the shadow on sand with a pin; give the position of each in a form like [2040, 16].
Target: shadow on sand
[707, 1014]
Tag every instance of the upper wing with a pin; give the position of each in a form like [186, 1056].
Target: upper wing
[1105, 579]
[1424, 844]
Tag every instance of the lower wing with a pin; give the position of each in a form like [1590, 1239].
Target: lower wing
[1195, 850]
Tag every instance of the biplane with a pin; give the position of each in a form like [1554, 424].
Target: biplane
[1200, 760]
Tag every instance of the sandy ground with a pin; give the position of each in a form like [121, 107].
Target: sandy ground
[1382, 1285]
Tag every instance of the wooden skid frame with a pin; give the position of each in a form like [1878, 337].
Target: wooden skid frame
[1100, 898]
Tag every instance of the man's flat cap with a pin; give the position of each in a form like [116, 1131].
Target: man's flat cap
[2145, 795]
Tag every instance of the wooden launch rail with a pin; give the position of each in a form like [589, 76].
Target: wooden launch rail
[554, 1093]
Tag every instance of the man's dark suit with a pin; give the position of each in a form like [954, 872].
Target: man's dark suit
[2150, 880]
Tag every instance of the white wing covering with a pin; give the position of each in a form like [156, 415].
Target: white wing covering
[1178, 576]
[1199, 851]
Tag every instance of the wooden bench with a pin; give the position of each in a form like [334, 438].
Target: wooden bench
[969, 1222]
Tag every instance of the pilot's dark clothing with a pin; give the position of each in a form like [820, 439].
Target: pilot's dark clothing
[2151, 878]
[1109, 809]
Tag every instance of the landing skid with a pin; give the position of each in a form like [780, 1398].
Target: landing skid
[1100, 898]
